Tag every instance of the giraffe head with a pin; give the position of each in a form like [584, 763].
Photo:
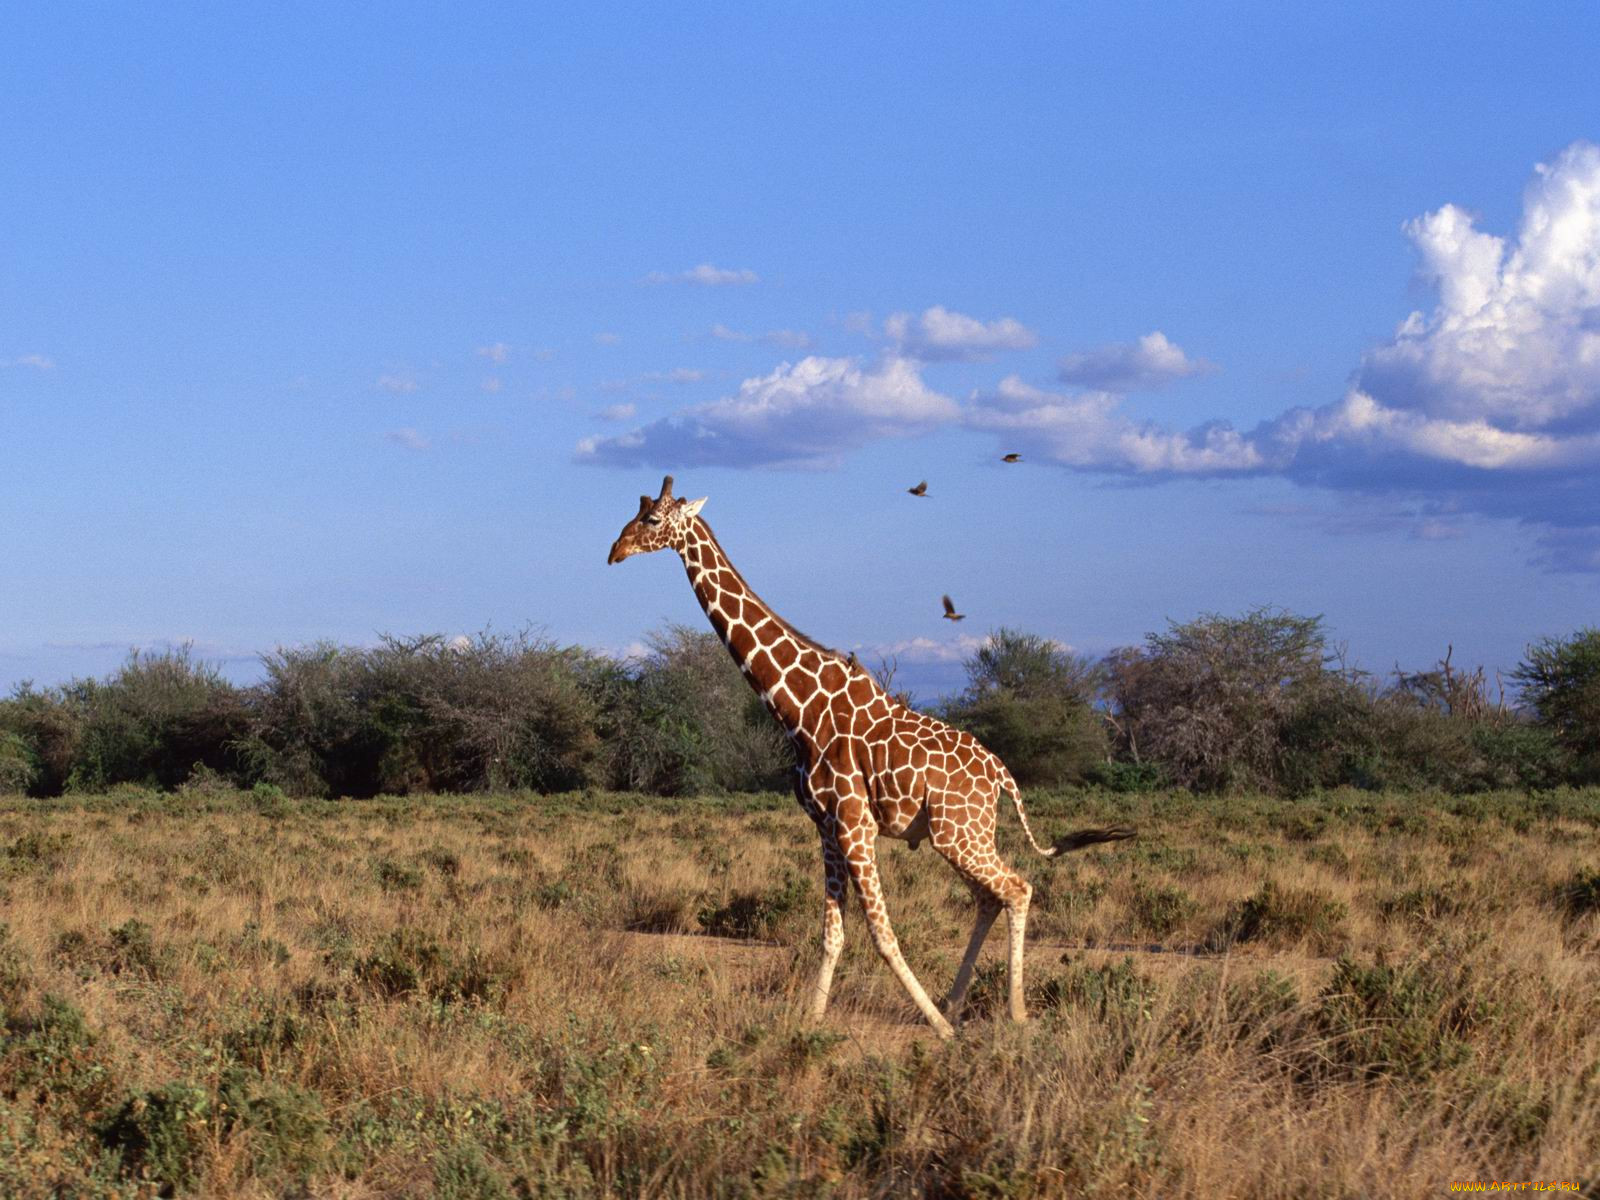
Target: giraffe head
[660, 523]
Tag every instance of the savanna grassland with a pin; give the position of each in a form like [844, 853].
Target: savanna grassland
[216, 993]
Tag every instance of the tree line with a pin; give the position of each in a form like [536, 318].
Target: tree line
[1260, 701]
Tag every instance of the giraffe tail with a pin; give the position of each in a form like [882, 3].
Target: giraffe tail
[1072, 841]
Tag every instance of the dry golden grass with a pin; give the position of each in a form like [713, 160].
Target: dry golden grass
[242, 996]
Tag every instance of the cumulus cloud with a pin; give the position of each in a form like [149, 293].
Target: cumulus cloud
[496, 353]
[1088, 430]
[939, 335]
[619, 412]
[1489, 402]
[805, 414]
[1151, 362]
[705, 275]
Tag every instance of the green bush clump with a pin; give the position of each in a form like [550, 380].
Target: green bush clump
[17, 769]
[464, 1172]
[1409, 1022]
[1160, 908]
[1580, 895]
[287, 1125]
[1031, 702]
[754, 915]
[162, 1134]
[1284, 916]
[413, 961]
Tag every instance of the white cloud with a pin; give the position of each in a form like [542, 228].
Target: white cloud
[1130, 367]
[723, 334]
[941, 335]
[1087, 431]
[607, 338]
[409, 438]
[805, 414]
[37, 361]
[619, 412]
[1490, 403]
[398, 382]
[705, 275]
[491, 384]
[496, 353]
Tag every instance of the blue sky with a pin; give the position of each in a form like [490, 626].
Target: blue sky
[328, 321]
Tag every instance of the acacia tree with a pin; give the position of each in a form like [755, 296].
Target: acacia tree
[1031, 701]
[1560, 681]
[1211, 698]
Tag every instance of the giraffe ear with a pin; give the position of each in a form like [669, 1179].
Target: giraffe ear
[692, 508]
[644, 504]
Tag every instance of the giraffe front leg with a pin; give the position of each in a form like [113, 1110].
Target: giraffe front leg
[856, 842]
[832, 923]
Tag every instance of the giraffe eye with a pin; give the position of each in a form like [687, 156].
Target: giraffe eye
[651, 520]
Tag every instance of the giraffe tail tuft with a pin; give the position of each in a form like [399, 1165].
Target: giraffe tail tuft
[1092, 837]
[1073, 841]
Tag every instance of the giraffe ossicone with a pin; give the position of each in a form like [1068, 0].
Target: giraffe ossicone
[866, 765]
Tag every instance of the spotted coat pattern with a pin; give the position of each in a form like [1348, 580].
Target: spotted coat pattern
[867, 764]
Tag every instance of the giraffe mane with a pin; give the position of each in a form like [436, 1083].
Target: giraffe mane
[804, 639]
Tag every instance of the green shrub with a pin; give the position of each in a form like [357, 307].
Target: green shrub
[755, 915]
[17, 769]
[162, 1134]
[396, 876]
[1158, 909]
[287, 1125]
[1409, 1022]
[463, 1172]
[1030, 701]
[1560, 680]
[1282, 917]
[425, 714]
[683, 721]
[153, 722]
[1580, 895]
[413, 961]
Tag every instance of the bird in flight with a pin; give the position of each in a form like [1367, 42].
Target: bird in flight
[950, 613]
[920, 490]
[1012, 458]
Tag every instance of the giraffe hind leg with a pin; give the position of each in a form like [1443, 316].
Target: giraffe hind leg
[988, 909]
[996, 886]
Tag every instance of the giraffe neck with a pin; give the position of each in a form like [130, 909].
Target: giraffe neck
[766, 647]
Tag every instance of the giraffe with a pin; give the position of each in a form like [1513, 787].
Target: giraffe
[866, 766]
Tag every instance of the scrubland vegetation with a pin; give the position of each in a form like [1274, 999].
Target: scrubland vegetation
[217, 993]
[246, 951]
[1258, 702]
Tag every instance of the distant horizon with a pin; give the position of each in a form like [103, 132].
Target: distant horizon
[325, 323]
[926, 685]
